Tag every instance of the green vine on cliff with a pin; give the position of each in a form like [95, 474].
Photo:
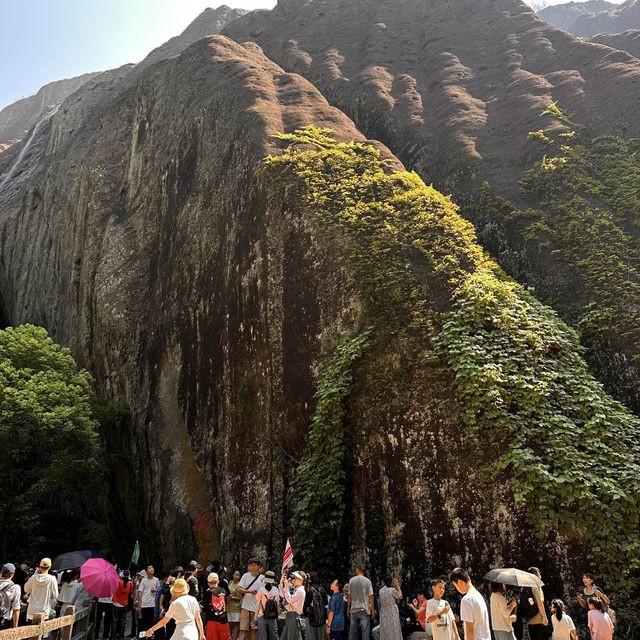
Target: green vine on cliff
[568, 450]
[527, 394]
[320, 478]
[576, 240]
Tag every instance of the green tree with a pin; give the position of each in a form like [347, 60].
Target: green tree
[48, 434]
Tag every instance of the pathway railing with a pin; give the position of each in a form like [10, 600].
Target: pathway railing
[72, 625]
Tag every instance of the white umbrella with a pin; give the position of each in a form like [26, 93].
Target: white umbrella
[515, 577]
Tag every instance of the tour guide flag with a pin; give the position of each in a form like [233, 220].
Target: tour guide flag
[287, 557]
[135, 556]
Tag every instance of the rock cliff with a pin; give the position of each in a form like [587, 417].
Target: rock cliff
[17, 118]
[264, 322]
[454, 101]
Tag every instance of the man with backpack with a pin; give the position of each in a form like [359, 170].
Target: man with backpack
[9, 598]
[531, 608]
[315, 609]
[267, 610]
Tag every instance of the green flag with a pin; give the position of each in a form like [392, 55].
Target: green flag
[135, 556]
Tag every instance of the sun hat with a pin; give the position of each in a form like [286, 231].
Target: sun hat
[213, 577]
[270, 577]
[179, 588]
[301, 575]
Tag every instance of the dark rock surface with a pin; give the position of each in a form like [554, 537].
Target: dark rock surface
[17, 118]
[144, 241]
[134, 228]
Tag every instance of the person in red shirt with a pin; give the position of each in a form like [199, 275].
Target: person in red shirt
[120, 601]
[419, 607]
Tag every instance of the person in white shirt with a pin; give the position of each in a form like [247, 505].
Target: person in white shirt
[185, 610]
[563, 627]
[42, 589]
[473, 608]
[250, 583]
[9, 598]
[146, 599]
[439, 615]
[501, 608]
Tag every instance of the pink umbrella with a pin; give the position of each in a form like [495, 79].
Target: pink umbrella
[99, 577]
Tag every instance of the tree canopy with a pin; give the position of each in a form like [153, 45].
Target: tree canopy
[48, 435]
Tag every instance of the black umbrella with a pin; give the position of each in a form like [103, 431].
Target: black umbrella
[71, 560]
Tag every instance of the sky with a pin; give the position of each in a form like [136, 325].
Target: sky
[46, 40]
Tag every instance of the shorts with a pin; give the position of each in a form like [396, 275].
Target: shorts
[246, 618]
[217, 631]
[233, 616]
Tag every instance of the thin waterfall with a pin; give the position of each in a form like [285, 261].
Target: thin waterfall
[9, 174]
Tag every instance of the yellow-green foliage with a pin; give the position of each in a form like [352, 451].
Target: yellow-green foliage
[589, 210]
[523, 387]
[576, 240]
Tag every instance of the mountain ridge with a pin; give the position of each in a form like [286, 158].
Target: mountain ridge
[592, 18]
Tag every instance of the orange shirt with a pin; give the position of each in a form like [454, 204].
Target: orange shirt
[121, 596]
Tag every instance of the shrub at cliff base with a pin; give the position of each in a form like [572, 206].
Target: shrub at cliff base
[48, 439]
[569, 451]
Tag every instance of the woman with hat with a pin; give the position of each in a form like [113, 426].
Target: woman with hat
[294, 595]
[185, 610]
[267, 610]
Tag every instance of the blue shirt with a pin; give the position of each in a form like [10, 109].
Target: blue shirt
[336, 604]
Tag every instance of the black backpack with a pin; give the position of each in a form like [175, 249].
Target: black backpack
[317, 610]
[270, 609]
[526, 610]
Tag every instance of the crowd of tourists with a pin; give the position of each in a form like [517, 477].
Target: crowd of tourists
[204, 603]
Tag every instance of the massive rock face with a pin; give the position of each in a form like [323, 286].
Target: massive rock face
[17, 118]
[208, 299]
[591, 19]
[143, 242]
